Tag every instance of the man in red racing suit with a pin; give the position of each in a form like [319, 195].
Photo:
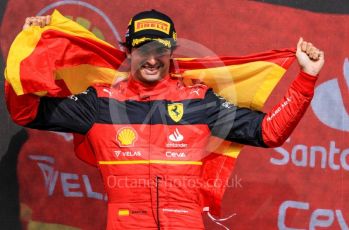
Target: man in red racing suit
[149, 132]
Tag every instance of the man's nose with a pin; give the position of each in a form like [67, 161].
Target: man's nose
[152, 59]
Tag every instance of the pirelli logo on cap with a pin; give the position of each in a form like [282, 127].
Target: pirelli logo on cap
[152, 24]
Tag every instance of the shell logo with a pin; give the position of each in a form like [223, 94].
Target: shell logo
[126, 137]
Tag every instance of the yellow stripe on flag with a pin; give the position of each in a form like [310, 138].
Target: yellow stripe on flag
[247, 85]
[68, 26]
[26, 41]
[15, 56]
[78, 78]
[220, 146]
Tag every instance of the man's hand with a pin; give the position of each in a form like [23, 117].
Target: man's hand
[37, 21]
[310, 58]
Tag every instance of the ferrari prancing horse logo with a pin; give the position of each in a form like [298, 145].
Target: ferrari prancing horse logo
[175, 111]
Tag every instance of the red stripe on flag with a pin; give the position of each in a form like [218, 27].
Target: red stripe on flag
[283, 58]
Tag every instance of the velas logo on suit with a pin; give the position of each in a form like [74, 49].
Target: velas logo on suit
[126, 137]
[328, 102]
[175, 111]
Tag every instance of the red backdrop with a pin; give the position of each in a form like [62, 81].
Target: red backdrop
[303, 184]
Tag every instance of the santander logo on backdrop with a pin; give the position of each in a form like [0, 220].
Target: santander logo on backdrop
[328, 102]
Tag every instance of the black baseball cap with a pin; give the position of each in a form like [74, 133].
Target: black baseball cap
[150, 26]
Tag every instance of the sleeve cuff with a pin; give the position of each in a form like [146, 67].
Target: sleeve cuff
[305, 83]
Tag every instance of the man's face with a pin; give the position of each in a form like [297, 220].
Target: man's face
[150, 62]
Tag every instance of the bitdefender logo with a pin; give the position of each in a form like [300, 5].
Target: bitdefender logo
[328, 102]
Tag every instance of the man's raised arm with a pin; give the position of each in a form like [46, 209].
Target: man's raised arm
[250, 127]
[76, 113]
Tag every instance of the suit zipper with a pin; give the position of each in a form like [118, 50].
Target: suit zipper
[157, 201]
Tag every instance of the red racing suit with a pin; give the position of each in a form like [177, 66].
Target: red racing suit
[149, 142]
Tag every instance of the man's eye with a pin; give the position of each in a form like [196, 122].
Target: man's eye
[159, 51]
[162, 51]
[143, 52]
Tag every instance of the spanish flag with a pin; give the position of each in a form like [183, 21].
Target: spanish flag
[64, 58]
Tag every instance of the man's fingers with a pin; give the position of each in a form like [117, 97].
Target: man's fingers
[27, 23]
[27, 20]
[308, 48]
[316, 53]
[310, 58]
[37, 21]
[314, 56]
[40, 22]
[48, 19]
[304, 46]
[34, 22]
[299, 43]
[312, 52]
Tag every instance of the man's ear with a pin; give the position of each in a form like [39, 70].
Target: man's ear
[128, 54]
[172, 50]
